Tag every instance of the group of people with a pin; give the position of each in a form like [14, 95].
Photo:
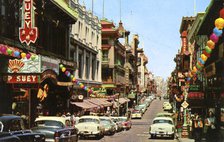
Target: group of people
[207, 127]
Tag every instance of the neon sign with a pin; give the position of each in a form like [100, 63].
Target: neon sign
[28, 31]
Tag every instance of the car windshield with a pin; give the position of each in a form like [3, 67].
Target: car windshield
[83, 120]
[49, 123]
[138, 108]
[162, 121]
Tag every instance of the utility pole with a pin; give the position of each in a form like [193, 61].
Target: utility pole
[136, 42]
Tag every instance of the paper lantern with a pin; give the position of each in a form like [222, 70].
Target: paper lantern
[203, 57]
[208, 50]
[219, 23]
[23, 55]
[63, 69]
[9, 51]
[201, 61]
[73, 79]
[205, 53]
[214, 38]
[3, 49]
[221, 13]
[67, 72]
[195, 69]
[33, 57]
[217, 32]
[211, 44]
[200, 64]
[72, 76]
[28, 55]
[61, 66]
[16, 53]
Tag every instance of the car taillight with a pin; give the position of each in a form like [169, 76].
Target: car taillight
[56, 137]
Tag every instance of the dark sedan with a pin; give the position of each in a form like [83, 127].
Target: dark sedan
[12, 130]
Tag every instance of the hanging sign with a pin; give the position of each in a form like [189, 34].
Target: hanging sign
[28, 31]
[23, 78]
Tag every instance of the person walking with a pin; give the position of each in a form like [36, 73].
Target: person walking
[210, 122]
[198, 127]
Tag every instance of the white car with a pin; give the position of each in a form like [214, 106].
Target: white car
[90, 126]
[163, 127]
[167, 106]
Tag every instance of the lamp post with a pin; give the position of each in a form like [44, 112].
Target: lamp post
[185, 105]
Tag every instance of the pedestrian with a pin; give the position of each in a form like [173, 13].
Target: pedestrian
[210, 123]
[198, 127]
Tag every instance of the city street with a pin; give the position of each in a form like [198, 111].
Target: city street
[139, 130]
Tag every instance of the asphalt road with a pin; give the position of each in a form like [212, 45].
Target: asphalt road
[139, 130]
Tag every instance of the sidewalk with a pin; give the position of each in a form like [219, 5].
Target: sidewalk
[185, 140]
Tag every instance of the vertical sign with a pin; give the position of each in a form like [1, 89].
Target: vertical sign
[28, 31]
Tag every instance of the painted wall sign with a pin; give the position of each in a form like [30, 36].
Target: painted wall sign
[25, 65]
[28, 32]
[23, 78]
[49, 63]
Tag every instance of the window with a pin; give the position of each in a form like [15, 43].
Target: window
[87, 67]
[105, 55]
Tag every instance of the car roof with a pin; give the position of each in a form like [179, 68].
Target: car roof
[55, 118]
[164, 113]
[89, 116]
[104, 117]
[163, 118]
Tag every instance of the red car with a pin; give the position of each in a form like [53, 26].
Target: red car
[126, 123]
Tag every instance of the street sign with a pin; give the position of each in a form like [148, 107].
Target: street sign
[184, 104]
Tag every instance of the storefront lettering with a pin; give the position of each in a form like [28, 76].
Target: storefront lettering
[23, 79]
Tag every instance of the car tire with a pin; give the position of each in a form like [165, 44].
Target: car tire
[172, 136]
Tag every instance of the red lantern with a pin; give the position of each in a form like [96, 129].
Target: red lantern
[221, 13]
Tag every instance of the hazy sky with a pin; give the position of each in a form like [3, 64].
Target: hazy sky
[157, 22]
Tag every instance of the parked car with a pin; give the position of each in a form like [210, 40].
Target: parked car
[90, 126]
[163, 127]
[56, 128]
[109, 125]
[137, 113]
[125, 122]
[12, 129]
[164, 114]
[117, 121]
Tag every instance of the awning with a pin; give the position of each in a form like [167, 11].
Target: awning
[132, 95]
[108, 86]
[85, 104]
[123, 100]
[195, 95]
[99, 101]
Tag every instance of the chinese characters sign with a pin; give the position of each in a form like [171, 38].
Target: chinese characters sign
[28, 31]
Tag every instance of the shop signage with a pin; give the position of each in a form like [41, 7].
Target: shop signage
[194, 88]
[184, 104]
[23, 78]
[49, 63]
[24, 65]
[28, 31]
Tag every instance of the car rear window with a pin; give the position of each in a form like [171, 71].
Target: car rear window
[49, 123]
[162, 121]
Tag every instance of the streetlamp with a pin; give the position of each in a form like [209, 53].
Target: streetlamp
[185, 105]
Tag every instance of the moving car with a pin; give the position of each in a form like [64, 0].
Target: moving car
[136, 113]
[167, 107]
[90, 126]
[109, 125]
[12, 129]
[56, 128]
[163, 127]
[126, 123]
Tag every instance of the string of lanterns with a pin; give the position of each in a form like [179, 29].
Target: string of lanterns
[10, 51]
[213, 39]
[81, 85]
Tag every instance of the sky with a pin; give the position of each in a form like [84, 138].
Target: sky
[157, 22]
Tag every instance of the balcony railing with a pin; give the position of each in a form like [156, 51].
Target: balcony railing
[105, 60]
